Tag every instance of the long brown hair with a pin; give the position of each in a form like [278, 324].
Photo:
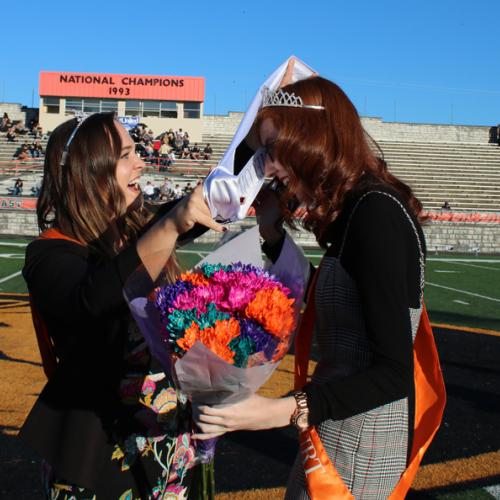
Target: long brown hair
[82, 197]
[327, 153]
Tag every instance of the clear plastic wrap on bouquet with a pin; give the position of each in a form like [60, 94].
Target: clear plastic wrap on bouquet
[201, 374]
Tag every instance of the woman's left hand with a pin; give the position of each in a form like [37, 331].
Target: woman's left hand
[252, 414]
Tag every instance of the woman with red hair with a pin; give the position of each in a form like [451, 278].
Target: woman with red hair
[366, 297]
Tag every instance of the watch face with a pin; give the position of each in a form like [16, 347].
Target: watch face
[301, 421]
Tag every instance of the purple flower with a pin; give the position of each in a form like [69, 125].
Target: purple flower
[264, 341]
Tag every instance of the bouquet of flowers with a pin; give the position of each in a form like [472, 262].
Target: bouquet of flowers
[222, 328]
[240, 312]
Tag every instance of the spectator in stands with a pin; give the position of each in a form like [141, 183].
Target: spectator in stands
[148, 191]
[177, 192]
[36, 188]
[166, 192]
[171, 138]
[207, 152]
[163, 154]
[36, 149]
[32, 125]
[446, 205]
[149, 150]
[17, 190]
[171, 157]
[179, 141]
[24, 154]
[6, 123]
[187, 188]
[194, 152]
[20, 129]
[109, 415]
[11, 135]
[139, 149]
[148, 136]
[135, 134]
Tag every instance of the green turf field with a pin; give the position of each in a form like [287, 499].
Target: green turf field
[460, 289]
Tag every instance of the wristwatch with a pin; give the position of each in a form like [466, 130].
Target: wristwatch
[300, 417]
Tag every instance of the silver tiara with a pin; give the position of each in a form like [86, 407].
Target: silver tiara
[282, 98]
[80, 118]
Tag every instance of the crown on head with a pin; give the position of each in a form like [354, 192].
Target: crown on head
[281, 98]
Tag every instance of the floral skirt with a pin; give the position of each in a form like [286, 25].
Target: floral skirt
[154, 460]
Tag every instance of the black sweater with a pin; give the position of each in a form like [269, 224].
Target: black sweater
[381, 255]
[79, 295]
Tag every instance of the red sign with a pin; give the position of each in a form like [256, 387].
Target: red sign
[19, 203]
[110, 86]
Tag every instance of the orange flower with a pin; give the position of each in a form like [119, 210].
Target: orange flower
[190, 336]
[195, 278]
[216, 338]
[273, 310]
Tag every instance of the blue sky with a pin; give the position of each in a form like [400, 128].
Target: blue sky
[414, 61]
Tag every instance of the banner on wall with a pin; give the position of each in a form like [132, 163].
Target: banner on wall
[18, 203]
[129, 122]
[112, 86]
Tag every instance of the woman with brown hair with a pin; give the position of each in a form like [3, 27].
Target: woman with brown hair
[356, 416]
[108, 423]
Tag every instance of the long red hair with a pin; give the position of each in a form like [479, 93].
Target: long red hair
[327, 153]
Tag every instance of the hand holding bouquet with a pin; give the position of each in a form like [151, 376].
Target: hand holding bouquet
[222, 328]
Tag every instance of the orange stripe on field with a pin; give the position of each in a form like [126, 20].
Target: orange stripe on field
[467, 329]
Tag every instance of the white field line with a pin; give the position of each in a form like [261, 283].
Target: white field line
[462, 302]
[8, 244]
[494, 491]
[475, 265]
[7, 278]
[463, 291]
[487, 261]
[197, 252]
[12, 255]
[445, 271]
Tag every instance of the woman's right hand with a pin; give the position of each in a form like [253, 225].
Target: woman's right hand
[191, 210]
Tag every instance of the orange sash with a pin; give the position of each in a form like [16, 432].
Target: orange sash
[45, 344]
[322, 479]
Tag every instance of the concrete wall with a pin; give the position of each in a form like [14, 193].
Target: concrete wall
[441, 236]
[18, 222]
[14, 110]
[222, 124]
[463, 237]
[376, 127]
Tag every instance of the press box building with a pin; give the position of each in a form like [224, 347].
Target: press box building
[161, 102]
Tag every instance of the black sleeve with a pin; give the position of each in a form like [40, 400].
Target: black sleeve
[64, 285]
[241, 156]
[380, 249]
[273, 251]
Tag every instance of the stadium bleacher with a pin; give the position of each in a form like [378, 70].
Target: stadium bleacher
[467, 175]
